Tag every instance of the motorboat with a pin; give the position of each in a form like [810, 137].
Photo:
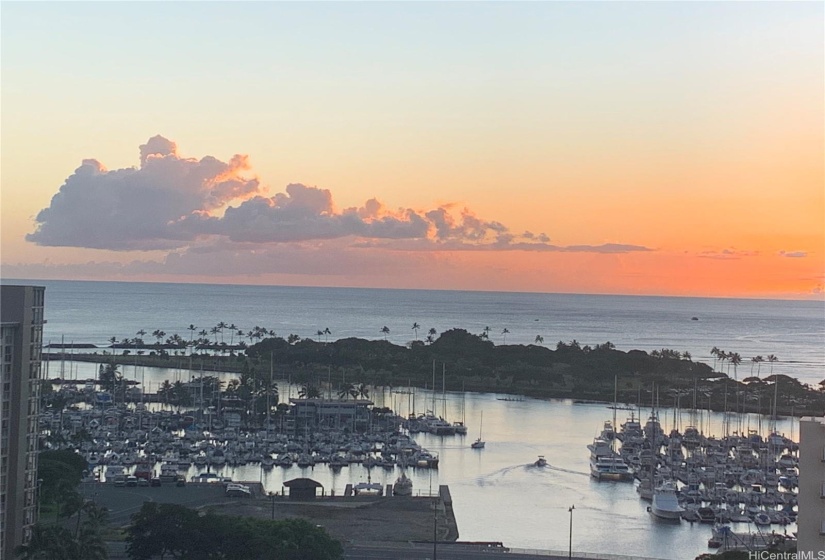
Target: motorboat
[479, 443]
[540, 462]
[665, 505]
[403, 486]
[367, 489]
[645, 489]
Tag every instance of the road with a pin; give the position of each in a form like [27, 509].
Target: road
[424, 551]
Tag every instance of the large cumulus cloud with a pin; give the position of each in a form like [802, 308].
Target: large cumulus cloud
[172, 202]
[138, 208]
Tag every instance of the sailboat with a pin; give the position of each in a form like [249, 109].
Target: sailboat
[479, 443]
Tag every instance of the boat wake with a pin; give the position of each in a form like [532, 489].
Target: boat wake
[549, 467]
[495, 476]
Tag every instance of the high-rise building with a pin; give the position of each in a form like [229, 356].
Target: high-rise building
[811, 518]
[21, 338]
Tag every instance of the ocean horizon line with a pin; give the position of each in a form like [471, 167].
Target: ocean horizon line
[811, 298]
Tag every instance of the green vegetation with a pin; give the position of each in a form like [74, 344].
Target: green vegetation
[60, 472]
[474, 363]
[161, 530]
[56, 542]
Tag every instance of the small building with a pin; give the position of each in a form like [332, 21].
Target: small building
[351, 414]
[302, 488]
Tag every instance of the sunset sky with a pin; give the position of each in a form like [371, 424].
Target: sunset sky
[664, 148]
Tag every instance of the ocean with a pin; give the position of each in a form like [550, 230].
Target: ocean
[793, 331]
[498, 494]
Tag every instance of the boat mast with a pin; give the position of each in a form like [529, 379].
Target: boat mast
[443, 391]
[615, 405]
[433, 410]
[269, 391]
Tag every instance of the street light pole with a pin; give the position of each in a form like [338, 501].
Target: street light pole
[570, 550]
[435, 528]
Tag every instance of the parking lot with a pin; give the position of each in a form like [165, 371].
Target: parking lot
[123, 501]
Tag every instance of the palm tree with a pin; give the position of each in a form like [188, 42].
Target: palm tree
[758, 360]
[308, 391]
[735, 360]
[415, 327]
[347, 390]
[319, 333]
[363, 391]
[430, 339]
[504, 334]
[539, 339]
[487, 331]
[140, 334]
[771, 360]
[386, 330]
[165, 391]
[192, 328]
[686, 356]
[327, 333]
[715, 353]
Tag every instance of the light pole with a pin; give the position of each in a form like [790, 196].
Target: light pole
[570, 549]
[435, 528]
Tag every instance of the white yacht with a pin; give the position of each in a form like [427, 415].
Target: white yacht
[665, 505]
[606, 464]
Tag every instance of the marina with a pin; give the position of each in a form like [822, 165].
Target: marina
[535, 463]
[506, 474]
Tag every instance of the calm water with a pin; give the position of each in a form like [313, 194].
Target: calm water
[609, 518]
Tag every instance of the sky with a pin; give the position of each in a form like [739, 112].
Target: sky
[657, 148]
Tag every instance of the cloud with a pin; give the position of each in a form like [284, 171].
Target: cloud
[175, 203]
[727, 254]
[794, 254]
[138, 208]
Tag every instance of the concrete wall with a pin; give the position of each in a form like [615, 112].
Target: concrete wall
[811, 520]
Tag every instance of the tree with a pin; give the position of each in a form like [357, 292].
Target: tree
[363, 391]
[161, 529]
[49, 542]
[386, 330]
[347, 390]
[735, 360]
[771, 360]
[308, 391]
[504, 334]
[415, 327]
[539, 339]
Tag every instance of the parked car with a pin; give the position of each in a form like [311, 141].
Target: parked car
[131, 480]
[181, 481]
[120, 480]
[154, 482]
[234, 490]
[143, 482]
